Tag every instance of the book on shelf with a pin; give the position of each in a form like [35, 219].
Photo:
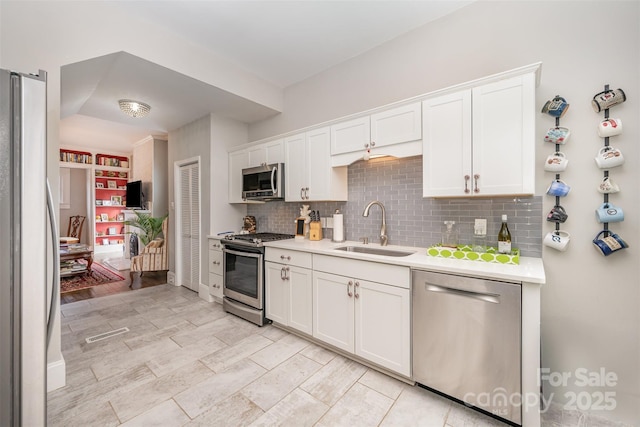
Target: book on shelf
[76, 157]
[72, 266]
[72, 248]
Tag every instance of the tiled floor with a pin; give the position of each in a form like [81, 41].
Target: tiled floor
[186, 362]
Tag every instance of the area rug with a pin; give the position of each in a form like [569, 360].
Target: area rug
[99, 275]
[118, 263]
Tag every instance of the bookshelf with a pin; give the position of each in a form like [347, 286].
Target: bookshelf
[75, 157]
[110, 189]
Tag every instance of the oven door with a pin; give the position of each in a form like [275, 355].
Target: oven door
[244, 276]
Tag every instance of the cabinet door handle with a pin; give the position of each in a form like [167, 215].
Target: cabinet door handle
[306, 193]
[476, 189]
[356, 294]
[349, 293]
[286, 273]
[466, 183]
[302, 193]
[282, 273]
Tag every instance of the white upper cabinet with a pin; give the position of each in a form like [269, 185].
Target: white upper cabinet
[480, 141]
[308, 172]
[350, 136]
[266, 153]
[396, 132]
[397, 125]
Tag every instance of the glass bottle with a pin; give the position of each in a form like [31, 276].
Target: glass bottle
[504, 237]
[450, 235]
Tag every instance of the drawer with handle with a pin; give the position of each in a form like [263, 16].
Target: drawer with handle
[215, 245]
[215, 262]
[285, 256]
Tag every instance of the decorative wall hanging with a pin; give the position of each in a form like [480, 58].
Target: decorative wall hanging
[557, 162]
[608, 157]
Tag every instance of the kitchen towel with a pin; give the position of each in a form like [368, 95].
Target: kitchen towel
[338, 227]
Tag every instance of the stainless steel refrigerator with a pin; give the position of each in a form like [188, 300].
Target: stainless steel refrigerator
[26, 286]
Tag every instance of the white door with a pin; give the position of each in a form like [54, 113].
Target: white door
[276, 293]
[319, 170]
[333, 310]
[446, 159]
[189, 226]
[350, 136]
[383, 325]
[397, 125]
[300, 299]
[275, 151]
[503, 136]
[296, 186]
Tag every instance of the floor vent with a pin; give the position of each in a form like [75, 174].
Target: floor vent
[106, 335]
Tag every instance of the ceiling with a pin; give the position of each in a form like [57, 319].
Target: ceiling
[282, 42]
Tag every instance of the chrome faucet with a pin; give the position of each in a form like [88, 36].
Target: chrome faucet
[383, 228]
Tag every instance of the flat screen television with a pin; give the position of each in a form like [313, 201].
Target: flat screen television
[134, 195]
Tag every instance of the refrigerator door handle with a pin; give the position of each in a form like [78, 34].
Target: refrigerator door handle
[55, 276]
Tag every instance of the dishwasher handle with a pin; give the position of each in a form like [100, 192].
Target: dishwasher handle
[492, 298]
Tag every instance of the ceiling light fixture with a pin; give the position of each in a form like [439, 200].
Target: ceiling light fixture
[134, 108]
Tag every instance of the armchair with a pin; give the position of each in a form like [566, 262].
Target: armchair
[154, 256]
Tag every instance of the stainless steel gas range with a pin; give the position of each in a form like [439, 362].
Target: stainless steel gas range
[244, 274]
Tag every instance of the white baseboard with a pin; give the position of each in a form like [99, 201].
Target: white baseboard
[203, 292]
[56, 374]
[171, 278]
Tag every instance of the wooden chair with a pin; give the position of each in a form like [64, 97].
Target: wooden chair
[74, 231]
[154, 256]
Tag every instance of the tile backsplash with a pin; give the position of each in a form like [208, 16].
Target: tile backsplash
[411, 219]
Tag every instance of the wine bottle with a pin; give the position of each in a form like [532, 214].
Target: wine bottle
[504, 237]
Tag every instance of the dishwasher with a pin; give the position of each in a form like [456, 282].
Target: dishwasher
[467, 340]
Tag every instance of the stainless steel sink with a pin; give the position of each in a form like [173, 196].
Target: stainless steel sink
[374, 251]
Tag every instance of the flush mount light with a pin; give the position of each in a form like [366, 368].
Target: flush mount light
[134, 108]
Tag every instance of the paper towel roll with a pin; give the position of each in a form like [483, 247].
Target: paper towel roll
[338, 227]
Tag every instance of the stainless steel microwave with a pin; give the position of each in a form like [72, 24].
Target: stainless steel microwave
[263, 182]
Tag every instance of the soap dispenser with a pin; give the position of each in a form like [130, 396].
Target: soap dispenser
[450, 235]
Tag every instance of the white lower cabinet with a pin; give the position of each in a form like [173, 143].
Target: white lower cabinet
[215, 269]
[333, 310]
[288, 289]
[369, 319]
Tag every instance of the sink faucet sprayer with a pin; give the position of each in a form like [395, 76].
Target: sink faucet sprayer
[383, 228]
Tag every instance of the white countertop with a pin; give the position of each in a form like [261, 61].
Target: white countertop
[530, 270]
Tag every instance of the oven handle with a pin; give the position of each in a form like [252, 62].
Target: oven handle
[238, 253]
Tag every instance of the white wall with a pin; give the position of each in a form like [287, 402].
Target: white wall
[189, 141]
[209, 138]
[225, 134]
[590, 304]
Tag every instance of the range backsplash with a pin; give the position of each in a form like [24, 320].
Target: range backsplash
[411, 219]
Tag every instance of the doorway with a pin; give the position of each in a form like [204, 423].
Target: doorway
[187, 196]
